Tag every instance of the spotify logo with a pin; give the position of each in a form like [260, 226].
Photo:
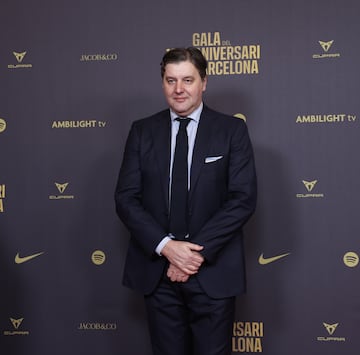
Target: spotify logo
[2, 125]
[98, 257]
[351, 259]
[241, 116]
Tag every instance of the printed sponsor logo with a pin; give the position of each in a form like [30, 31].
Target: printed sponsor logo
[335, 118]
[224, 58]
[99, 57]
[2, 197]
[23, 259]
[264, 261]
[98, 257]
[331, 329]
[78, 124]
[351, 259]
[2, 125]
[16, 324]
[326, 46]
[241, 116]
[310, 185]
[19, 56]
[97, 326]
[61, 188]
[247, 337]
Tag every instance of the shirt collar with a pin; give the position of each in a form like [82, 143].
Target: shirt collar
[195, 115]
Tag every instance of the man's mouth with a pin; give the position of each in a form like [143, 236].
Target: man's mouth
[180, 99]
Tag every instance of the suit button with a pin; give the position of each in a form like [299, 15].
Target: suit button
[187, 236]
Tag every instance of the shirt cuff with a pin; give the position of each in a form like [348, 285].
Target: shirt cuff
[161, 245]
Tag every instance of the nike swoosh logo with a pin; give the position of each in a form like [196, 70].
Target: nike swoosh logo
[21, 260]
[265, 261]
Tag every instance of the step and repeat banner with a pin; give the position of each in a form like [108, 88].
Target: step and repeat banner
[76, 74]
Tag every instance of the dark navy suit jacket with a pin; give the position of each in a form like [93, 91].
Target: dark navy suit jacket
[222, 197]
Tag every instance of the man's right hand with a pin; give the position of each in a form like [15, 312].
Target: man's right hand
[184, 255]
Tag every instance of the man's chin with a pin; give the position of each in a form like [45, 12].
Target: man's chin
[181, 111]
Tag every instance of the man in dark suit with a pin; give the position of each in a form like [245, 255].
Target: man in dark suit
[186, 217]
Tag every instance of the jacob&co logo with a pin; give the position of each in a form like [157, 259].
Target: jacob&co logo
[310, 185]
[2, 125]
[98, 57]
[97, 326]
[16, 323]
[326, 48]
[19, 56]
[61, 188]
[2, 196]
[331, 328]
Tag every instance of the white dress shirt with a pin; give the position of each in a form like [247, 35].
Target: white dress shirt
[191, 132]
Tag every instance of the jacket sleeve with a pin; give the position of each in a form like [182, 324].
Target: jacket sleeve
[146, 231]
[240, 201]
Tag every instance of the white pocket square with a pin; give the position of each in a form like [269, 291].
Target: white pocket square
[212, 159]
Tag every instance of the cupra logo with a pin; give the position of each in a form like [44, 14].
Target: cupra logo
[61, 187]
[16, 322]
[330, 327]
[19, 56]
[327, 53]
[309, 184]
[326, 45]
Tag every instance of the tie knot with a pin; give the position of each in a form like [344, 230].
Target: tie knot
[183, 121]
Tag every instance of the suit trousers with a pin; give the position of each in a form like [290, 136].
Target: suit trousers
[183, 320]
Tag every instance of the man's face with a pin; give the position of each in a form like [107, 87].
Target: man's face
[183, 87]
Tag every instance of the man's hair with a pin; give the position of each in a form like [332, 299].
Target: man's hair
[191, 54]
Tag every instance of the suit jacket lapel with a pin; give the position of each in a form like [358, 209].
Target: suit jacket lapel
[201, 147]
[161, 137]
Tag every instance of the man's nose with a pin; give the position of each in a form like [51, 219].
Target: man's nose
[179, 87]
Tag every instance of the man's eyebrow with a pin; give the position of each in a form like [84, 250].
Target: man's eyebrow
[167, 77]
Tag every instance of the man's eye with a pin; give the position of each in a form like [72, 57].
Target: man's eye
[188, 81]
[171, 81]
